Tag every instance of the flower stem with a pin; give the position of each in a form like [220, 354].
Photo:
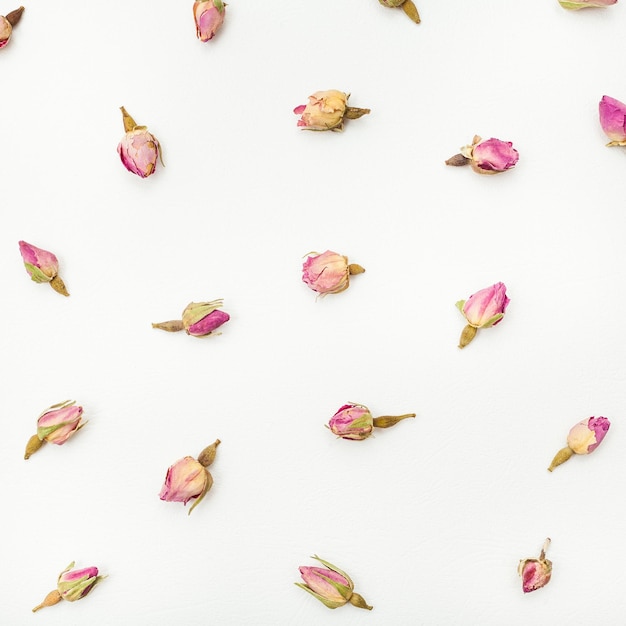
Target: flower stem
[14, 17]
[359, 601]
[50, 600]
[34, 443]
[387, 421]
[173, 326]
[354, 113]
[411, 10]
[59, 286]
[469, 332]
[458, 160]
[561, 456]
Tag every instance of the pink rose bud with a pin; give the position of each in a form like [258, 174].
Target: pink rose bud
[483, 309]
[189, 479]
[354, 421]
[407, 5]
[6, 25]
[56, 425]
[209, 16]
[583, 438]
[613, 120]
[42, 266]
[72, 585]
[575, 5]
[327, 110]
[535, 573]
[199, 319]
[139, 149]
[328, 272]
[491, 156]
[330, 585]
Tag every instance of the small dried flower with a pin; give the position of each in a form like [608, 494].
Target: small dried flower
[139, 149]
[407, 5]
[56, 425]
[6, 25]
[354, 421]
[330, 585]
[199, 319]
[189, 479]
[483, 309]
[575, 5]
[209, 16]
[535, 573]
[491, 156]
[42, 266]
[72, 585]
[583, 438]
[328, 272]
[613, 120]
[327, 110]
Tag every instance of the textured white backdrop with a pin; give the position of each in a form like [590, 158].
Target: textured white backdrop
[431, 517]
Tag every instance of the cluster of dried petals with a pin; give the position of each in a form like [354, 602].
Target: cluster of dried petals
[328, 272]
[189, 478]
[72, 585]
[200, 319]
[483, 309]
[42, 266]
[535, 573]
[355, 422]
[575, 5]
[7, 22]
[613, 120]
[209, 16]
[583, 438]
[408, 7]
[330, 585]
[327, 110]
[491, 156]
[139, 149]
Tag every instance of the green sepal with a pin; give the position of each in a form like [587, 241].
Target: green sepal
[459, 305]
[334, 568]
[219, 5]
[491, 321]
[329, 603]
[36, 274]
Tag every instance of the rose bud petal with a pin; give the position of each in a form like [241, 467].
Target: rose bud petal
[613, 120]
[491, 156]
[330, 585]
[42, 266]
[583, 438]
[535, 573]
[575, 5]
[483, 309]
[208, 16]
[139, 150]
[56, 425]
[328, 272]
[189, 479]
[72, 585]
[327, 110]
[200, 319]
[407, 5]
[355, 422]
[6, 25]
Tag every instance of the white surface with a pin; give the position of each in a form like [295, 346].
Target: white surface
[431, 517]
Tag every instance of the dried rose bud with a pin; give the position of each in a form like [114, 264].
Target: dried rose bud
[483, 309]
[42, 266]
[330, 585]
[56, 425]
[575, 5]
[491, 156]
[535, 573]
[209, 16]
[6, 25]
[613, 120]
[139, 149]
[354, 421]
[189, 479]
[407, 5]
[328, 272]
[583, 438]
[72, 585]
[199, 319]
[327, 110]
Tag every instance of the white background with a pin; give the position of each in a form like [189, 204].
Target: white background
[429, 518]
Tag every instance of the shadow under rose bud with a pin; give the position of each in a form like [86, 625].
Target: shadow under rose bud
[583, 438]
[200, 319]
[535, 573]
[355, 422]
[491, 156]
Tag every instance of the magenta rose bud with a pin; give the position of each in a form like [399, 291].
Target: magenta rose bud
[200, 319]
[139, 150]
[209, 16]
[328, 272]
[491, 156]
[72, 585]
[535, 573]
[6, 25]
[189, 479]
[42, 266]
[575, 5]
[354, 421]
[326, 110]
[613, 120]
[583, 438]
[330, 586]
[483, 309]
[56, 425]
